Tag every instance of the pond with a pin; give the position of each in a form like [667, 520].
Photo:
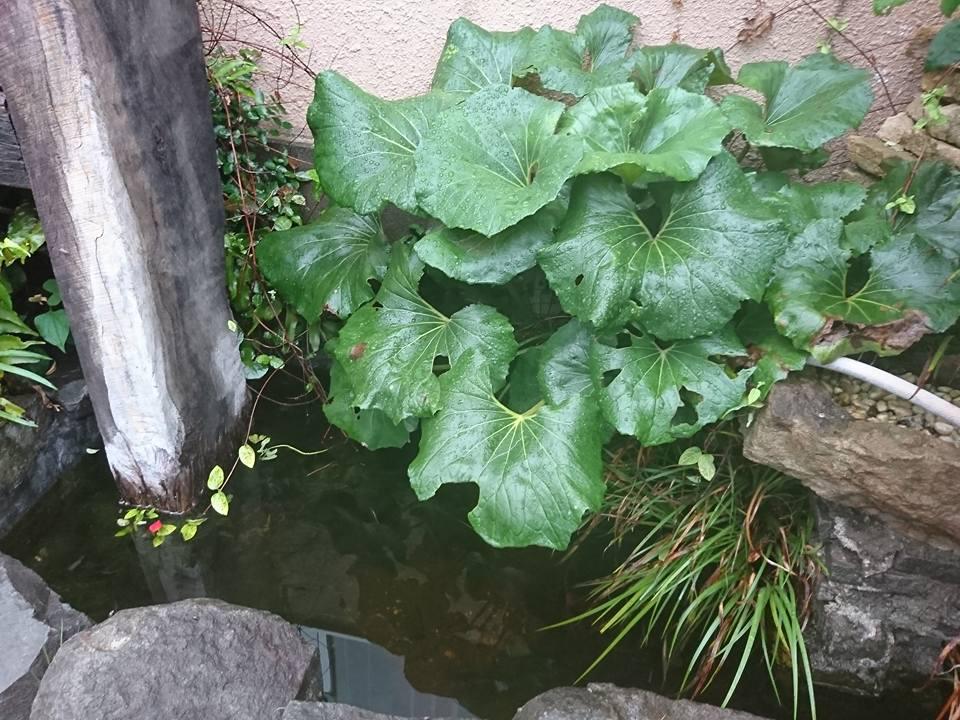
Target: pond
[411, 612]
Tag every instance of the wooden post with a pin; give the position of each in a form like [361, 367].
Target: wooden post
[109, 101]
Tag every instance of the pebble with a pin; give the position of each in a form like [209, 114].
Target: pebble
[882, 406]
[942, 428]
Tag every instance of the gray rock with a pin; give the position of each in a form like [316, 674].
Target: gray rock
[905, 476]
[33, 624]
[188, 660]
[34, 458]
[883, 609]
[608, 702]
[870, 153]
[335, 711]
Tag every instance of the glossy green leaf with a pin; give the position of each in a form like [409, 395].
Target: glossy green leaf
[799, 204]
[538, 472]
[247, 455]
[54, 327]
[772, 355]
[669, 131]
[564, 369]
[494, 160]
[365, 146]
[188, 532]
[593, 57]
[387, 349]
[646, 383]
[814, 101]
[325, 266]
[944, 51]
[371, 428]
[220, 503]
[216, 478]
[682, 66]
[830, 306]
[474, 258]
[949, 7]
[474, 58]
[715, 248]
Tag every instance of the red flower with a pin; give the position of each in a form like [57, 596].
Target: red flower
[155, 526]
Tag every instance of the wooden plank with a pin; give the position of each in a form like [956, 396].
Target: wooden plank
[12, 170]
[109, 98]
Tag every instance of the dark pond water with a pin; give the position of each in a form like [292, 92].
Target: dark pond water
[412, 613]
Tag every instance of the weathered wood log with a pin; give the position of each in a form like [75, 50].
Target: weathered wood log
[109, 98]
[12, 170]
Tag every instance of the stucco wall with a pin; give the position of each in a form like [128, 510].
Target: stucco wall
[390, 47]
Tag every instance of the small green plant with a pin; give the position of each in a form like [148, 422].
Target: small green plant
[722, 571]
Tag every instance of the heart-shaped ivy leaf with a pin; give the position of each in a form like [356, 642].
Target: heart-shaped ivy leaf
[474, 58]
[474, 258]
[669, 131]
[593, 57]
[715, 248]
[645, 384]
[806, 105]
[365, 146]
[675, 65]
[493, 160]
[538, 471]
[371, 428]
[326, 265]
[387, 348]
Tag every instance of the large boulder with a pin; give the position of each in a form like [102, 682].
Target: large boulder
[883, 609]
[34, 622]
[187, 660]
[608, 702]
[905, 476]
[34, 458]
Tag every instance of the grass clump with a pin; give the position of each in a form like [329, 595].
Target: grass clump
[722, 569]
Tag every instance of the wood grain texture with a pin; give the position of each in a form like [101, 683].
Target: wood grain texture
[12, 170]
[110, 101]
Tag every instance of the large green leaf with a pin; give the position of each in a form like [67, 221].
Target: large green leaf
[365, 146]
[716, 247]
[646, 384]
[564, 364]
[773, 355]
[674, 65]
[949, 7]
[944, 49]
[325, 266]
[474, 58]
[885, 302]
[799, 203]
[538, 471]
[387, 348]
[474, 258]
[814, 101]
[493, 160]
[371, 428]
[669, 131]
[593, 57]
[935, 190]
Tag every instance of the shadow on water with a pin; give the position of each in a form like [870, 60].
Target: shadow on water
[411, 612]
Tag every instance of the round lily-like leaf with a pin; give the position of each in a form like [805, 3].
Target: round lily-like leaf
[670, 131]
[884, 302]
[593, 57]
[325, 266]
[365, 146]
[814, 101]
[475, 258]
[538, 471]
[387, 348]
[474, 58]
[493, 160]
[715, 248]
[799, 204]
[675, 65]
[660, 392]
[371, 428]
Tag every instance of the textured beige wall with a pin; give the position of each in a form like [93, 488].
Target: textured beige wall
[390, 47]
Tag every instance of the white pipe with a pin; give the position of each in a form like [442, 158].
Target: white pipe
[895, 386]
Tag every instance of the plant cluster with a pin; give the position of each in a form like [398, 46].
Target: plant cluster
[584, 256]
[716, 569]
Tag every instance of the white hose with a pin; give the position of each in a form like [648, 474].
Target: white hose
[895, 386]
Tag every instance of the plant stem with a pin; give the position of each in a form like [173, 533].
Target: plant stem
[895, 386]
